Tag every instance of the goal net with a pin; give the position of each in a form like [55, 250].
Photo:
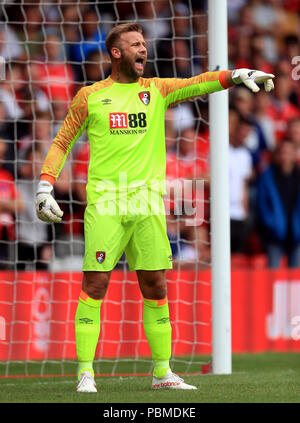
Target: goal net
[48, 51]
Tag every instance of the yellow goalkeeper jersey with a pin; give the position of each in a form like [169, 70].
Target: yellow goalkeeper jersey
[125, 129]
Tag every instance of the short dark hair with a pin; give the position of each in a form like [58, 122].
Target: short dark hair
[115, 33]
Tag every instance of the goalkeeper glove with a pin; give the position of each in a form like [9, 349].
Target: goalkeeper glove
[251, 77]
[47, 208]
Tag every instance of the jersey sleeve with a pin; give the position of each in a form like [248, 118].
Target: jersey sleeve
[71, 129]
[175, 90]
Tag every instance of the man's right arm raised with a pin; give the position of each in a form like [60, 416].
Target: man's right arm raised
[73, 126]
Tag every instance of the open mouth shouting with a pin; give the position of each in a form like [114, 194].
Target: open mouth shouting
[140, 63]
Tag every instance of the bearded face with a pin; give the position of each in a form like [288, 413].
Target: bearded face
[133, 55]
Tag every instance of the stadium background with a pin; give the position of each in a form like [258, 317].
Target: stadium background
[51, 50]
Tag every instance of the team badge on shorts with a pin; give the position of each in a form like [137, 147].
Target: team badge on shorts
[100, 256]
[145, 97]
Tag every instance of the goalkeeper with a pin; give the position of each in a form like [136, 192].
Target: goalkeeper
[124, 119]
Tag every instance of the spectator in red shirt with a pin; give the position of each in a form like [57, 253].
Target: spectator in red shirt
[181, 165]
[281, 110]
[10, 203]
[55, 76]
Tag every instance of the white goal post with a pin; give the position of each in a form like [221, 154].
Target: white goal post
[219, 172]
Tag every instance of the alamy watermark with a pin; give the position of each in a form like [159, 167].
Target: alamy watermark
[296, 69]
[182, 197]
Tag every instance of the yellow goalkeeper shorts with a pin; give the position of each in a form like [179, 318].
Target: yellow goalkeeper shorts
[142, 237]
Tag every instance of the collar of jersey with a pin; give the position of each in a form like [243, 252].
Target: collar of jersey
[123, 83]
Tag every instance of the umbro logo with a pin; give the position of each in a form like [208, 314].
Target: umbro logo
[163, 320]
[86, 320]
[106, 101]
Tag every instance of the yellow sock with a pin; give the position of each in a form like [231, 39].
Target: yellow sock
[87, 331]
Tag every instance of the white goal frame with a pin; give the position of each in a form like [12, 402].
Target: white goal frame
[219, 201]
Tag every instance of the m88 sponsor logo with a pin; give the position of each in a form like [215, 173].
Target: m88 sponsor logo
[124, 120]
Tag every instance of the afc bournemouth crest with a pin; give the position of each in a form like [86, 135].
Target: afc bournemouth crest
[100, 256]
[145, 97]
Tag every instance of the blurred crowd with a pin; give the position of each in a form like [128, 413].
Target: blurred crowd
[52, 49]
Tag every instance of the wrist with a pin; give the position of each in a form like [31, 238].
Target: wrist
[49, 178]
[44, 187]
[225, 79]
[235, 76]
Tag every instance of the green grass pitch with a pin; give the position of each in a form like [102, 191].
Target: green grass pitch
[256, 378]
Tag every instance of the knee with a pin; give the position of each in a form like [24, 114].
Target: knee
[154, 287]
[95, 284]
[159, 289]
